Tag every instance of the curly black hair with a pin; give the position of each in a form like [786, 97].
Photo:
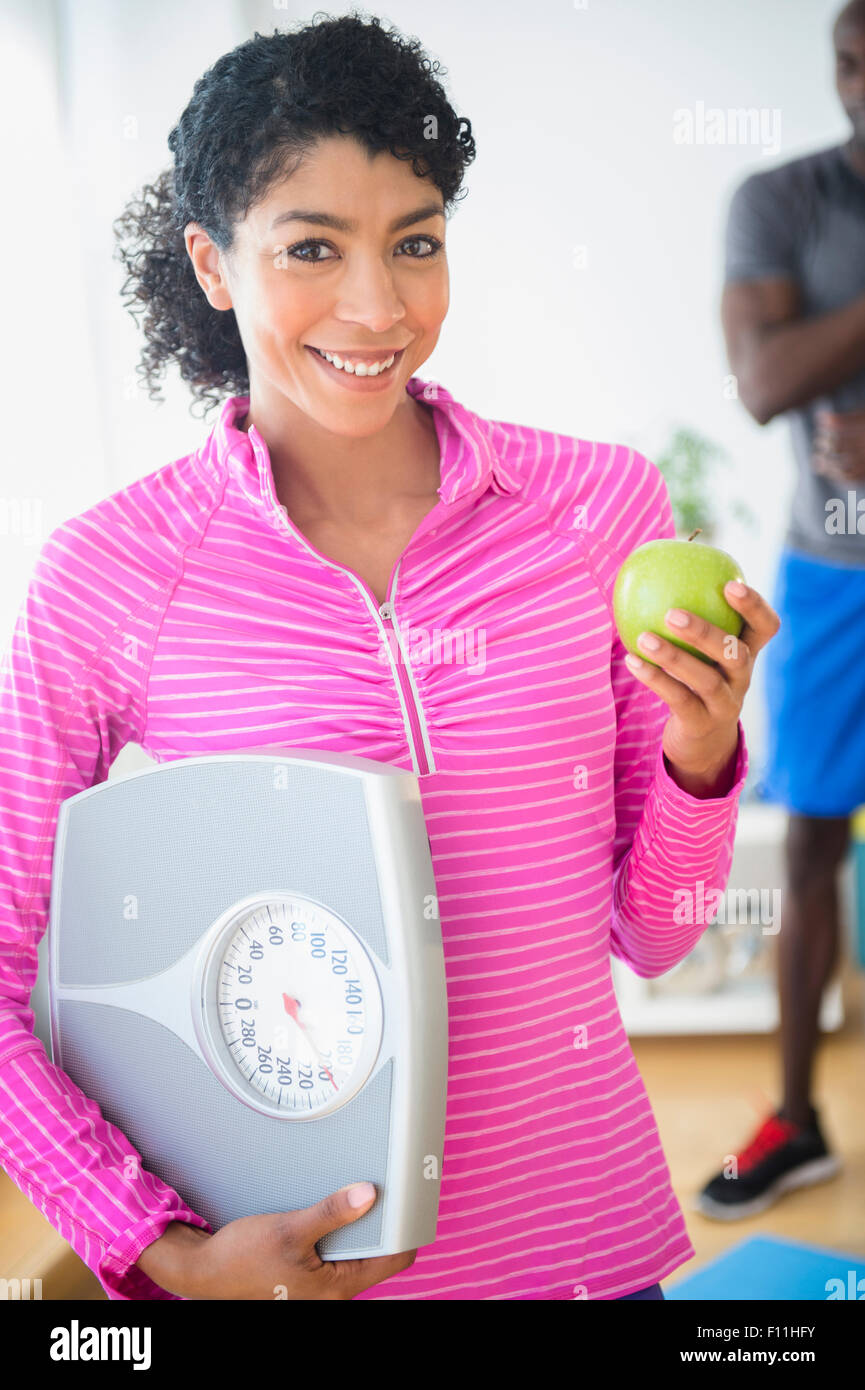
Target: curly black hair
[252, 118]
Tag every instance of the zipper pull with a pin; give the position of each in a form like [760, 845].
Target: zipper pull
[386, 610]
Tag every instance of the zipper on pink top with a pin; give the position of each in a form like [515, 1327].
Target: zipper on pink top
[416, 730]
[421, 751]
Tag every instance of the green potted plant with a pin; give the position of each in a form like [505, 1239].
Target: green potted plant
[689, 463]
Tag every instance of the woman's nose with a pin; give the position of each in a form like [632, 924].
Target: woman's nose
[368, 295]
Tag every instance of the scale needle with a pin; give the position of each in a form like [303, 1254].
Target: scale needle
[291, 1007]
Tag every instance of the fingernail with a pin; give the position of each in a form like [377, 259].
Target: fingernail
[678, 618]
[360, 1194]
[633, 662]
[649, 641]
[737, 587]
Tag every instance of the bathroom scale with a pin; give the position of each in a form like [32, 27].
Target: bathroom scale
[246, 974]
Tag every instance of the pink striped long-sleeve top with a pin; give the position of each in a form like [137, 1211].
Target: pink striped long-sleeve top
[187, 613]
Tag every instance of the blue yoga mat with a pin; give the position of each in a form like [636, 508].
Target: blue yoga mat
[764, 1268]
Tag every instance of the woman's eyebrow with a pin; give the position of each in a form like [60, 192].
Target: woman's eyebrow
[342, 224]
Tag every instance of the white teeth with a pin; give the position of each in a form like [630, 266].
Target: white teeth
[357, 368]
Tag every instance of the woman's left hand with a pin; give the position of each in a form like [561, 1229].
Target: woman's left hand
[701, 736]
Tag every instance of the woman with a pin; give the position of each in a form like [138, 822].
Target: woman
[263, 589]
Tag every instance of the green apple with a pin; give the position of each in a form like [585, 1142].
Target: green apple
[665, 574]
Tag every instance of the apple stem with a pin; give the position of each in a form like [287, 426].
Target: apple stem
[695, 533]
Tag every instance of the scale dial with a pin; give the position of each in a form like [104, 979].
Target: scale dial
[290, 1011]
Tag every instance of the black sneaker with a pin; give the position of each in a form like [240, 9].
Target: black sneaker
[781, 1156]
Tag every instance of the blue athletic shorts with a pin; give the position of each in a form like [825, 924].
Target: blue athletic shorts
[815, 688]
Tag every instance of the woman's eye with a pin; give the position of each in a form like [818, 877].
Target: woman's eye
[307, 246]
[430, 241]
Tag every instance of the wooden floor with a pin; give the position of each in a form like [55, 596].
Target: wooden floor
[708, 1094]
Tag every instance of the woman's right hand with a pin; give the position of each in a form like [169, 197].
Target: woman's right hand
[270, 1257]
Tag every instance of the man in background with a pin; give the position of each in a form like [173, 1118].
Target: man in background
[793, 313]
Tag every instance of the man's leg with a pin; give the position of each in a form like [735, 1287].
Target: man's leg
[807, 947]
[788, 1149]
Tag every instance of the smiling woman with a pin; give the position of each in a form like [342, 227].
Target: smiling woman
[261, 590]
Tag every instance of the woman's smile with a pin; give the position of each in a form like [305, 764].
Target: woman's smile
[367, 372]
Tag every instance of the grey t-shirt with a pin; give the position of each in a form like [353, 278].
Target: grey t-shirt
[806, 219]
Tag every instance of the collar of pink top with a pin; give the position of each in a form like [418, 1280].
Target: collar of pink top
[469, 463]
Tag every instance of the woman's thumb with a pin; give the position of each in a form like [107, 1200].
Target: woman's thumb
[337, 1209]
[359, 1194]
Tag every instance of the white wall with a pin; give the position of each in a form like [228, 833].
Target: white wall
[572, 106]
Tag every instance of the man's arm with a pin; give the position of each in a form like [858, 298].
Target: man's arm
[781, 360]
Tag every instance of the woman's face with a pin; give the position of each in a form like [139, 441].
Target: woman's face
[375, 284]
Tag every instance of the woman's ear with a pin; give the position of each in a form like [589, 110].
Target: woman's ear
[208, 264]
